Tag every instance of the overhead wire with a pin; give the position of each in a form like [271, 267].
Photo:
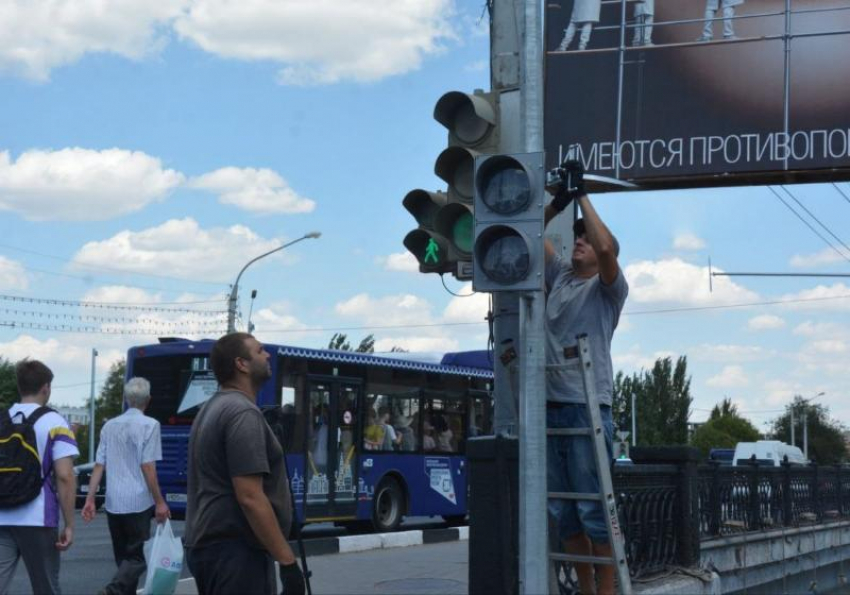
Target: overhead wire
[807, 224]
[841, 192]
[108, 305]
[818, 221]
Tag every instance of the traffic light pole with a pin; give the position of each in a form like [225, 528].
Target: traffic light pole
[533, 542]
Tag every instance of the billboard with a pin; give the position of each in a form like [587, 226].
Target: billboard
[677, 93]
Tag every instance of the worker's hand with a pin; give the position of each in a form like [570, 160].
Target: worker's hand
[291, 580]
[574, 177]
[89, 510]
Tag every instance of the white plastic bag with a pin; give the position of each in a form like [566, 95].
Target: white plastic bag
[164, 554]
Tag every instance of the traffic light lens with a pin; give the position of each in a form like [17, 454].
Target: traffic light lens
[504, 255]
[507, 190]
[462, 232]
[468, 126]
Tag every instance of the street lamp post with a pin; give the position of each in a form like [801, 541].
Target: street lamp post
[805, 424]
[234, 292]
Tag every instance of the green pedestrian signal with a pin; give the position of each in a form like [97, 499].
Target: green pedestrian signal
[432, 251]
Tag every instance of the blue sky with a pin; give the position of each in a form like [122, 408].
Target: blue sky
[149, 151]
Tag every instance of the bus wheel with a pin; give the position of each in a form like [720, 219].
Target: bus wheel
[388, 507]
[455, 520]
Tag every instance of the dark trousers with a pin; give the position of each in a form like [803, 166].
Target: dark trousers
[232, 568]
[129, 533]
[37, 546]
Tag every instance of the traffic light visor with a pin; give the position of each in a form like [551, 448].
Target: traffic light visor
[456, 167]
[423, 205]
[469, 117]
[504, 185]
[504, 255]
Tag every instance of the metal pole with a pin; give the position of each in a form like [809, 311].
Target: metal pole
[806, 433]
[634, 422]
[91, 407]
[793, 439]
[533, 541]
[234, 292]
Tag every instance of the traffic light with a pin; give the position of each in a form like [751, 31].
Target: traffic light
[443, 241]
[472, 122]
[430, 248]
[509, 201]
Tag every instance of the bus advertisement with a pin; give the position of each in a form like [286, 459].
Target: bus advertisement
[369, 438]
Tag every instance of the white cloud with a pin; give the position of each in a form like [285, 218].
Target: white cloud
[400, 261]
[822, 297]
[729, 377]
[391, 310]
[765, 322]
[321, 41]
[829, 346]
[635, 359]
[180, 248]
[471, 307]
[256, 190]
[821, 329]
[725, 353]
[676, 281]
[37, 36]
[825, 256]
[477, 66]
[77, 184]
[12, 275]
[688, 241]
[417, 344]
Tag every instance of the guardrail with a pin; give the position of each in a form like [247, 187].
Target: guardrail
[668, 502]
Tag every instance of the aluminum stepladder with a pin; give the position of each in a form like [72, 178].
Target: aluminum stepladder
[605, 496]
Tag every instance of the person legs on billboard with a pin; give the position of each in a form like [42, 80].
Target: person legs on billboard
[711, 8]
[585, 14]
[644, 17]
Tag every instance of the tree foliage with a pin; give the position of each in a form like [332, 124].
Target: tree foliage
[663, 401]
[724, 429]
[826, 435]
[8, 384]
[339, 342]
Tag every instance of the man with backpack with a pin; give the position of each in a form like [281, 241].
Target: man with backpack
[37, 450]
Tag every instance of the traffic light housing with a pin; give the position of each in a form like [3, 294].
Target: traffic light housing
[509, 203]
[446, 224]
[431, 249]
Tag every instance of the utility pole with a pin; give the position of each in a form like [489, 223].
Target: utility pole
[634, 422]
[91, 407]
[533, 541]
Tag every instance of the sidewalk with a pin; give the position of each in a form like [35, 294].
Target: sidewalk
[387, 563]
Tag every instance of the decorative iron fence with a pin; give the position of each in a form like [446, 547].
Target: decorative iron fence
[669, 501]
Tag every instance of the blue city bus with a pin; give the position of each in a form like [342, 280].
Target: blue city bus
[335, 409]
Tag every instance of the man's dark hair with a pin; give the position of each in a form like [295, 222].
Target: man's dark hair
[224, 354]
[31, 375]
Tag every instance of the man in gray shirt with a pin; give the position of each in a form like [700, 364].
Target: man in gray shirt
[584, 296]
[239, 508]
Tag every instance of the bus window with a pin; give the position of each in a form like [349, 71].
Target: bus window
[179, 385]
[444, 427]
[390, 422]
[404, 417]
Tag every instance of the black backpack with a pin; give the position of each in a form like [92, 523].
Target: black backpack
[21, 479]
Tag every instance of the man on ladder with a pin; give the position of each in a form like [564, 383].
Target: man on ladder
[584, 297]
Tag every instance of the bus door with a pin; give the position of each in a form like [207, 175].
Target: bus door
[331, 470]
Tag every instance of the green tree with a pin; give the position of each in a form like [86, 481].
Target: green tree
[826, 435]
[8, 384]
[663, 402]
[339, 342]
[724, 429]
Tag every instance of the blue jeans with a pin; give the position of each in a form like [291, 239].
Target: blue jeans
[571, 467]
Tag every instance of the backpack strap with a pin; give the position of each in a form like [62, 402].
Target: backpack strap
[38, 413]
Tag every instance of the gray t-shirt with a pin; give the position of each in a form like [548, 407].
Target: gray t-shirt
[577, 306]
[230, 438]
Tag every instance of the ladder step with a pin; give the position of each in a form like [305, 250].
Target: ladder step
[569, 432]
[574, 496]
[585, 559]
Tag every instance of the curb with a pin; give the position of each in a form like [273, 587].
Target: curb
[375, 541]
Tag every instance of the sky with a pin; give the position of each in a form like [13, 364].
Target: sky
[148, 150]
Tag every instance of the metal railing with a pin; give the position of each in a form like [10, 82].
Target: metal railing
[667, 508]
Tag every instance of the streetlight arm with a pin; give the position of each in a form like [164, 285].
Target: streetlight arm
[234, 292]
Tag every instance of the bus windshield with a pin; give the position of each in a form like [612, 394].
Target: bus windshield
[179, 385]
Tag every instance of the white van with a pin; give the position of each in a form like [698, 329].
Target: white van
[768, 452]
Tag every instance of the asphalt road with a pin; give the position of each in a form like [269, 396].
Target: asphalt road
[89, 564]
